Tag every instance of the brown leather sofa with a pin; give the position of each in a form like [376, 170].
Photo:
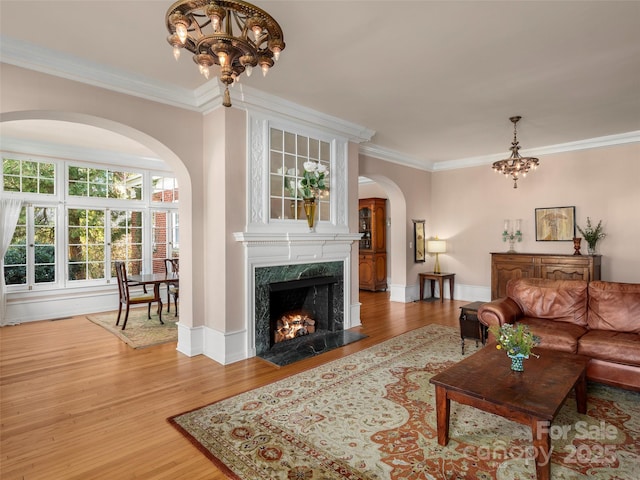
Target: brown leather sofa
[598, 319]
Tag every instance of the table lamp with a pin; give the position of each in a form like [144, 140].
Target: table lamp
[436, 246]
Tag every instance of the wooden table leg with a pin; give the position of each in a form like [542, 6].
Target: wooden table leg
[451, 288]
[441, 285]
[156, 292]
[421, 288]
[581, 393]
[443, 405]
[433, 287]
[542, 448]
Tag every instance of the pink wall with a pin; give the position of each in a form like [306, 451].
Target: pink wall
[468, 206]
[471, 205]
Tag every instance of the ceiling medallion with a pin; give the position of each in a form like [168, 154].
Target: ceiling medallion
[515, 165]
[232, 34]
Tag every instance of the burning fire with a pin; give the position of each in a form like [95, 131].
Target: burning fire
[294, 325]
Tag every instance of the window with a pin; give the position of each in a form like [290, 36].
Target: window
[44, 244]
[31, 257]
[287, 154]
[126, 240]
[28, 176]
[164, 227]
[164, 189]
[100, 183]
[73, 236]
[86, 233]
[15, 260]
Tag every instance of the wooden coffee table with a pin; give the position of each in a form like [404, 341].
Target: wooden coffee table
[485, 380]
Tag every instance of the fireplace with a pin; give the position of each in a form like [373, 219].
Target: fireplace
[301, 307]
[311, 290]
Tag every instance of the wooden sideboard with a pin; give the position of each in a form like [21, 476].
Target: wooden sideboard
[505, 266]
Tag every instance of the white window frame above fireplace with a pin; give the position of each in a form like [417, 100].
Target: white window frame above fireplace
[258, 185]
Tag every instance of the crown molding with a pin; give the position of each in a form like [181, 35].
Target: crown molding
[39, 59]
[589, 143]
[393, 156]
[207, 98]
[204, 99]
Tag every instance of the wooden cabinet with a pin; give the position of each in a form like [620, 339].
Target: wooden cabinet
[372, 220]
[505, 266]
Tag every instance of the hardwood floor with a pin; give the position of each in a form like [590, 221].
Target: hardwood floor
[77, 403]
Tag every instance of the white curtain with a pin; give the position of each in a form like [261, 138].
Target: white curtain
[9, 213]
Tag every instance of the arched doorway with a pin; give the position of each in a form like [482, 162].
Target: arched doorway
[75, 131]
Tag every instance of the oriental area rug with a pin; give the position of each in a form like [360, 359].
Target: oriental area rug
[371, 415]
[141, 331]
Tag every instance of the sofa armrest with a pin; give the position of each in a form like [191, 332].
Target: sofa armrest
[499, 312]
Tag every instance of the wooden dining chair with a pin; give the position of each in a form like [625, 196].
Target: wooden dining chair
[128, 299]
[172, 265]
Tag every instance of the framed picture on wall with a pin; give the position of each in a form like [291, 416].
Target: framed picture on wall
[419, 240]
[555, 224]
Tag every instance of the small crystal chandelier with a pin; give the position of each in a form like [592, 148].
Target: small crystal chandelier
[515, 165]
[232, 34]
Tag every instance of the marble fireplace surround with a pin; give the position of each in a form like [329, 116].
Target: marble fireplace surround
[278, 257]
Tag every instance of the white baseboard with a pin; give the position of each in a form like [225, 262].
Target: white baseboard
[411, 293]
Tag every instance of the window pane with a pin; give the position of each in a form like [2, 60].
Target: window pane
[165, 189]
[45, 273]
[96, 271]
[29, 185]
[10, 167]
[29, 169]
[77, 271]
[78, 189]
[16, 255]
[15, 275]
[289, 142]
[47, 170]
[44, 254]
[77, 253]
[27, 176]
[103, 183]
[11, 184]
[47, 186]
[95, 253]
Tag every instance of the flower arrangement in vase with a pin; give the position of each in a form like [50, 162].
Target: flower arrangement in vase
[313, 179]
[592, 235]
[517, 341]
[311, 185]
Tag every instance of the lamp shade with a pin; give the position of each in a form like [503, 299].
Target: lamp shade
[436, 246]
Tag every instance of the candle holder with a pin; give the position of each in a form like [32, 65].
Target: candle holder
[514, 236]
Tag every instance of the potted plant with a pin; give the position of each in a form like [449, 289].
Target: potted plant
[592, 235]
[517, 341]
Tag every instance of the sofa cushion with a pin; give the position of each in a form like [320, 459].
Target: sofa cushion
[612, 346]
[559, 300]
[614, 306]
[561, 336]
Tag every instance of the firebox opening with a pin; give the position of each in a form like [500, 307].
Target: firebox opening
[300, 307]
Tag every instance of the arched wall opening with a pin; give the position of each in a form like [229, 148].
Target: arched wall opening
[165, 154]
[398, 235]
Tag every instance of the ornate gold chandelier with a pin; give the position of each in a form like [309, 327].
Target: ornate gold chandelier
[232, 34]
[515, 165]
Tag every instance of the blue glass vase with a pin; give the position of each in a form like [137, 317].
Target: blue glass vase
[517, 362]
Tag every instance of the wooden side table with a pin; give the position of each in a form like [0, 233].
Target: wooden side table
[470, 326]
[440, 278]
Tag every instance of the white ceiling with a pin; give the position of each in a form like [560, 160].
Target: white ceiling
[436, 80]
